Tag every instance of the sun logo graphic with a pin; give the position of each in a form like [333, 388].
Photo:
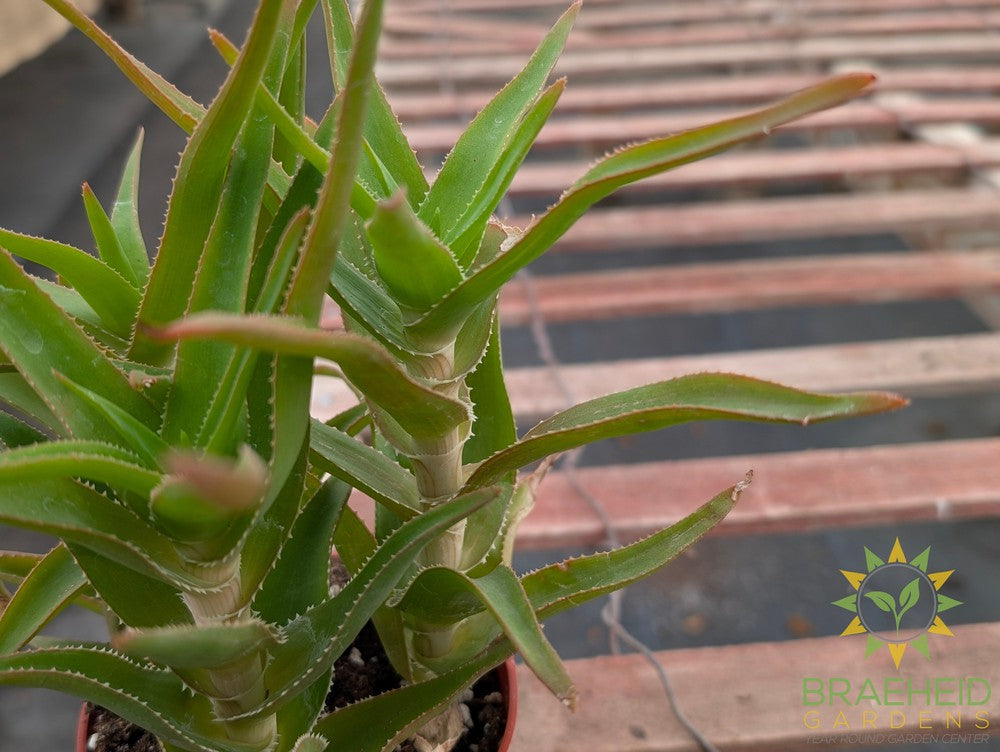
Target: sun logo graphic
[897, 603]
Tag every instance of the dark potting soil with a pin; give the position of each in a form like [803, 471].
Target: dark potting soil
[364, 670]
[361, 672]
[111, 733]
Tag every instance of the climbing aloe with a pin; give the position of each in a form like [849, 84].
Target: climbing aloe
[156, 417]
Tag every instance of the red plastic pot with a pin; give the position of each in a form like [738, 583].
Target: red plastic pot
[506, 676]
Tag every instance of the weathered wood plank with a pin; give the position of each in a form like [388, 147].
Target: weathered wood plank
[926, 365]
[746, 285]
[745, 697]
[443, 36]
[746, 168]
[603, 130]
[969, 46]
[751, 220]
[791, 491]
[699, 91]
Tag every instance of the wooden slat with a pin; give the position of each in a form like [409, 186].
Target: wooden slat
[781, 218]
[610, 130]
[696, 91]
[445, 36]
[791, 491]
[748, 168]
[746, 285]
[924, 365]
[745, 697]
[497, 69]
[696, 10]
[919, 366]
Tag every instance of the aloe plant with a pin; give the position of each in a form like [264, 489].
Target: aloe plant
[157, 418]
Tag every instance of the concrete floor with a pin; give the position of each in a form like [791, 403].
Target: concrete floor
[69, 116]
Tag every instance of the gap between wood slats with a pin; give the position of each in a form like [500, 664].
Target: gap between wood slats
[790, 492]
[920, 366]
[744, 697]
[748, 285]
[446, 36]
[694, 92]
[712, 223]
[498, 69]
[760, 167]
[610, 130]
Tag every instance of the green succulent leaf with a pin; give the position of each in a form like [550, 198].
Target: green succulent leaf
[14, 432]
[418, 409]
[151, 697]
[315, 639]
[416, 268]
[111, 296]
[621, 168]
[704, 396]
[64, 349]
[300, 577]
[199, 183]
[117, 585]
[382, 132]
[365, 468]
[45, 591]
[369, 306]
[125, 218]
[494, 428]
[468, 170]
[197, 646]
[108, 246]
[442, 593]
[332, 215]
[465, 236]
[17, 393]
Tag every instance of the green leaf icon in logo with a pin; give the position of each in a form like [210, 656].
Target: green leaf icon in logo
[908, 598]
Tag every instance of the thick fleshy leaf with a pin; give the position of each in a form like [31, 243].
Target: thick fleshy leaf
[415, 267]
[703, 396]
[90, 460]
[138, 600]
[25, 313]
[368, 305]
[199, 183]
[113, 298]
[319, 636]
[481, 147]
[621, 168]
[221, 280]
[197, 646]
[365, 468]
[442, 593]
[78, 514]
[43, 593]
[382, 130]
[108, 246]
[379, 723]
[125, 216]
[16, 392]
[300, 577]
[151, 697]
[332, 214]
[421, 411]
[493, 427]
[466, 234]
[15, 432]
[562, 586]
